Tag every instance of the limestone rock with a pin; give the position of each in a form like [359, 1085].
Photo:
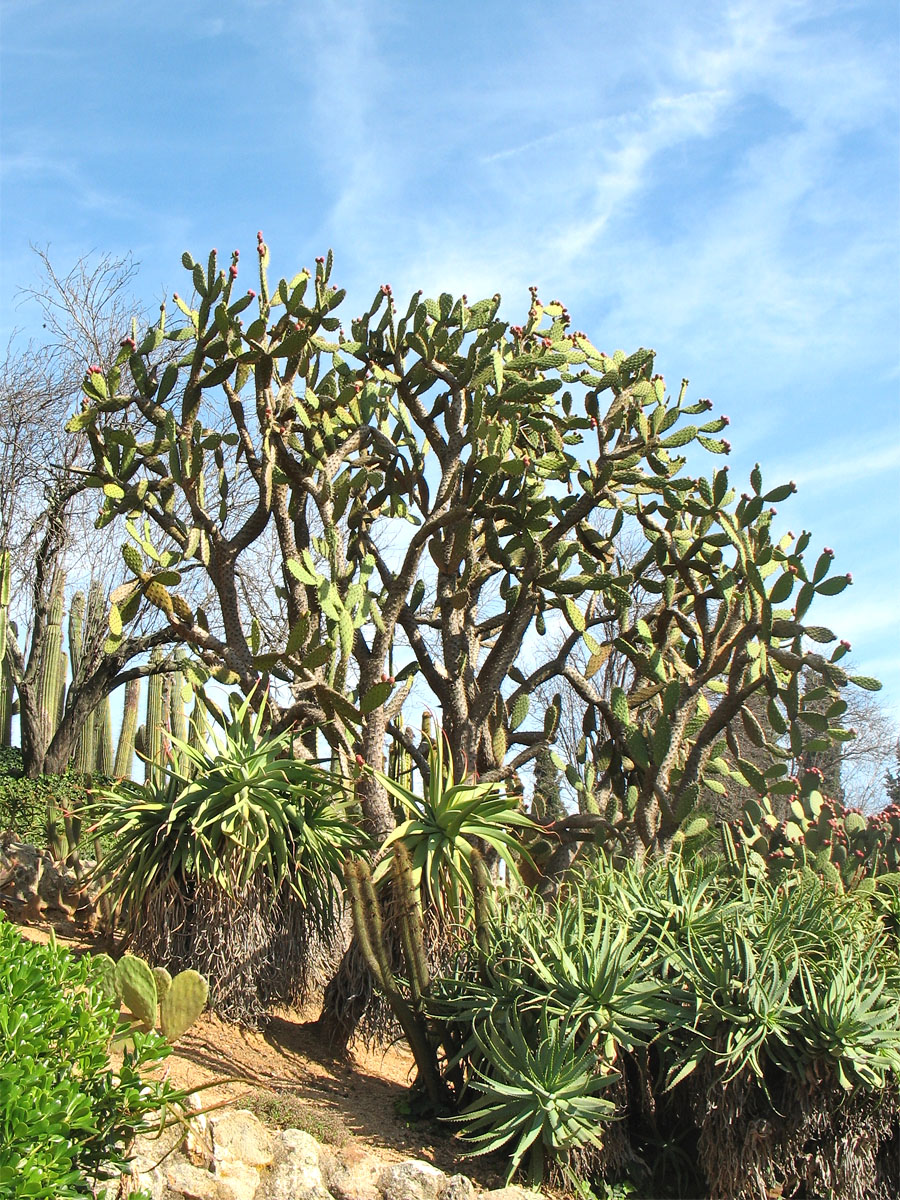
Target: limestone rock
[458, 1187]
[238, 1134]
[196, 1184]
[241, 1180]
[296, 1174]
[351, 1173]
[411, 1180]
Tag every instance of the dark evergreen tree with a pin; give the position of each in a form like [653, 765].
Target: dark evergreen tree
[546, 800]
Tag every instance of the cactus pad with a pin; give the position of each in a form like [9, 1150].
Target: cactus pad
[137, 987]
[106, 975]
[163, 982]
[182, 1004]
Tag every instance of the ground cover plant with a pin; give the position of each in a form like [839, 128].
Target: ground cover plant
[67, 1117]
[686, 1028]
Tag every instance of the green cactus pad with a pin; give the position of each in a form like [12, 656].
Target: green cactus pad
[182, 1004]
[163, 982]
[106, 975]
[137, 987]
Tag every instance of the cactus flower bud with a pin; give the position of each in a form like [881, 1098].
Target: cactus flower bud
[849, 577]
[233, 272]
[251, 293]
[828, 550]
[360, 761]
[259, 235]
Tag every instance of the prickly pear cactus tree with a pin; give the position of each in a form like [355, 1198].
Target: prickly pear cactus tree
[842, 844]
[498, 445]
[713, 666]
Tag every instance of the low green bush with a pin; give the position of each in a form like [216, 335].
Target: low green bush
[32, 809]
[67, 1116]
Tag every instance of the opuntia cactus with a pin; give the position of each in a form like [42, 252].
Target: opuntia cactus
[840, 843]
[137, 987]
[183, 1002]
[143, 989]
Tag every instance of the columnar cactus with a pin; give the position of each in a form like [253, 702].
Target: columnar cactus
[83, 758]
[180, 691]
[125, 747]
[154, 728]
[103, 746]
[6, 682]
[52, 681]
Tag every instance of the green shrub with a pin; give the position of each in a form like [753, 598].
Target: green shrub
[32, 809]
[67, 1117]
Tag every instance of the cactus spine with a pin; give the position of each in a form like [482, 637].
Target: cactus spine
[125, 748]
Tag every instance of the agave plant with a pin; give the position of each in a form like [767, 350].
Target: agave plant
[231, 812]
[540, 1086]
[444, 824]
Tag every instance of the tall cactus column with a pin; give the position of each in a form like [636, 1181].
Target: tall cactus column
[125, 748]
[83, 758]
[153, 726]
[51, 682]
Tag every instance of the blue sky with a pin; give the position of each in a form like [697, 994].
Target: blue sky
[716, 180]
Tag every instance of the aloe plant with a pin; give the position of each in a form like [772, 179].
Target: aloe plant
[243, 810]
[445, 823]
[540, 1095]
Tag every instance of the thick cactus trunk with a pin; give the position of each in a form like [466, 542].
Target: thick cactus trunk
[6, 679]
[153, 727]
[103, 746]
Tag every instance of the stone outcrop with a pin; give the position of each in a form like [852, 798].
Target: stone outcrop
[231, 1155]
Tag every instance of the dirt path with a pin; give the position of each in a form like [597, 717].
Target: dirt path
[356, 1098]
